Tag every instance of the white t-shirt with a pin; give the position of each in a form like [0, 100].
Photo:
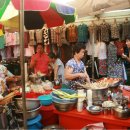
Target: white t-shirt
[102, 51]
[93, 48]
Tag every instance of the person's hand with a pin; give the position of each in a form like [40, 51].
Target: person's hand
[82, 75]
[124, 56]
[55, 78]
[15, 78]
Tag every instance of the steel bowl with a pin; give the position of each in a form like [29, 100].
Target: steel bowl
[64, 106]
[95, 110]
[54, 127]
[31, 103]
[30, 114]
[122, 113]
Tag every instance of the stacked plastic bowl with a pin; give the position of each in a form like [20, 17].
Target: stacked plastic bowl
[64, 104]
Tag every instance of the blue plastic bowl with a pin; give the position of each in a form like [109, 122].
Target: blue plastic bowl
[56, 98]
[45, 100]
[35, 124]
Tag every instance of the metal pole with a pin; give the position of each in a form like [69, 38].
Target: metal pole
[22, 60]
[93, 55]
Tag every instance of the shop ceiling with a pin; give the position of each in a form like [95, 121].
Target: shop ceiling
[97, 7]
[89, 9]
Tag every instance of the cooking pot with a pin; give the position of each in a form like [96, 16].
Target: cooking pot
[99, 96]
[122, 113]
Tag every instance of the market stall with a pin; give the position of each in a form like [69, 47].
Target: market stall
[87, 116]
[92, 100]
[76, 120]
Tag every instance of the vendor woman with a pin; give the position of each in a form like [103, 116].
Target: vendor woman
[128, 45]
[75, 69]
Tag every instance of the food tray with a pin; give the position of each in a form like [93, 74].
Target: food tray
[112, 81]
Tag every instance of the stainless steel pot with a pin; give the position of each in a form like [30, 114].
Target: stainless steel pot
[99, 95]
[31, 103]
[122, 113]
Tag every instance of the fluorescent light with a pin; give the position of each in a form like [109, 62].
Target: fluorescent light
[124, 10]
[62, 1]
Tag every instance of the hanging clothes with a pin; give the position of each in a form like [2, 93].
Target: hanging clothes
[93, 48]
[45, 35]
[63, 35]
[26, 39]
[1, 29]
[102, 56]
[39, 35]
[3, 53]
[9, 52]
[53, 36]
[125, 29]
[115, 67]
[72, 33]
[7, 38]
[29, 51]
[112, 58]
[82, 33]
[114, 31]
[2, 42]
[93, 32]
[31, 38]
[58, 31]
[105, 32]
[16, 51]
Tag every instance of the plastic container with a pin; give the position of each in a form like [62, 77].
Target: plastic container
[34, 124]
[45, 100]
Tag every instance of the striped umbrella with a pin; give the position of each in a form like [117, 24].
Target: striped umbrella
[38, 12]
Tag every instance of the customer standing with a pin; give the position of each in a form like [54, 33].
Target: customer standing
[128, 45]
[40, 61]
[58, 67]
[75, 69]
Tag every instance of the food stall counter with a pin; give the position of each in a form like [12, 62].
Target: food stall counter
[78, 120]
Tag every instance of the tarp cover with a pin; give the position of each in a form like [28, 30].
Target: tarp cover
[93, 7]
